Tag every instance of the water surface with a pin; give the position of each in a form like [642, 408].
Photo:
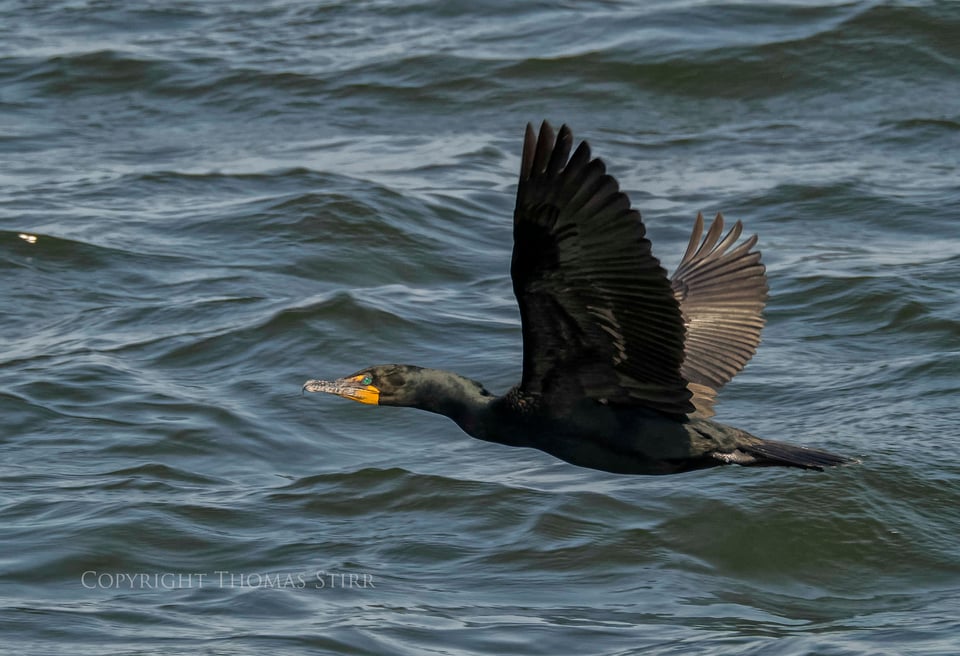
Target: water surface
[204, 204]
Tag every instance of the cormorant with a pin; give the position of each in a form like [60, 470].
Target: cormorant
[621, 364]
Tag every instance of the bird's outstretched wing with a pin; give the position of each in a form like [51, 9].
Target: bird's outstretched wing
[721, 293]
[600, 319]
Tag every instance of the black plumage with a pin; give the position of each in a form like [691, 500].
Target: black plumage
[621, 364]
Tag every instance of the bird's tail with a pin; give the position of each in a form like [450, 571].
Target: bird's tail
[767, 452]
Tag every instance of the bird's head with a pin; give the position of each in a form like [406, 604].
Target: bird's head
[388, 384]
[443, 392]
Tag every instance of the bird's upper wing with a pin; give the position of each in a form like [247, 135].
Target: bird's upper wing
[600, 319]
[721, 293]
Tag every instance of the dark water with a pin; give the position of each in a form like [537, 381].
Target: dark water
[204, 204]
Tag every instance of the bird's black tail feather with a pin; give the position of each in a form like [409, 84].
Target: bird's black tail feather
[778, 453]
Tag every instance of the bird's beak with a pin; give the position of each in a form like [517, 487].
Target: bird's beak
[349, 388]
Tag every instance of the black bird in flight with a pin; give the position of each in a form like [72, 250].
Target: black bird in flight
[621, 364]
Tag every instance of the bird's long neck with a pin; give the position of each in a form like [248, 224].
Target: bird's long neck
[455, 396]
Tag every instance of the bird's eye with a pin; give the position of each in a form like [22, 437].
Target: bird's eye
[367, 380]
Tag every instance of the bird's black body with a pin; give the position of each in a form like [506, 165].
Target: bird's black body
[621, 364]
